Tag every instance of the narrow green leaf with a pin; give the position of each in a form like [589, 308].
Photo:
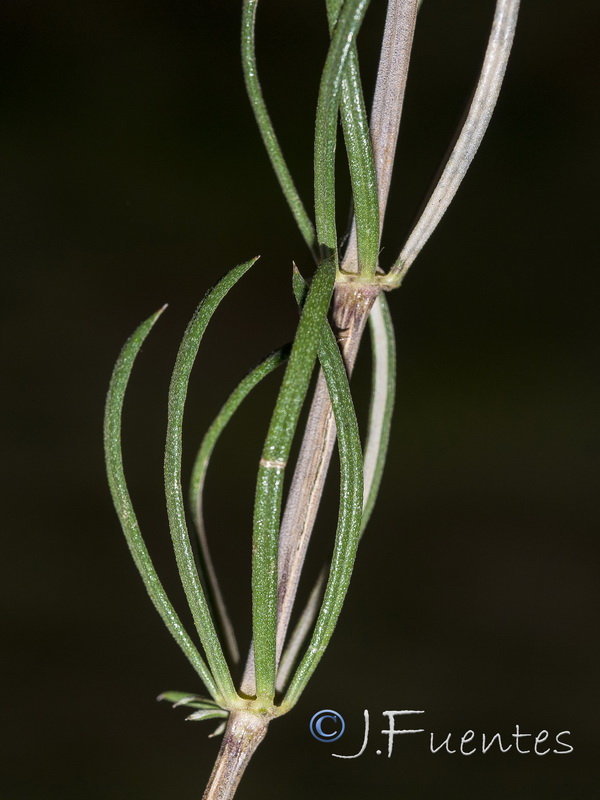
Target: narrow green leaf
[299, 287]
[175, 507]
[382, 401]
[124, 507]
[383, 347]
[360, 156]
[350, 511]
[344, 35]
[200, 716]
[212, 588]
[380, 414]
[269, 487]
[188, 700]
[266, 129]
[300, 632]
[218, 730]
[388, 99]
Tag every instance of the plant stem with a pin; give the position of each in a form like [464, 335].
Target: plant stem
[244, 732]
[351, 307]
[352, 303]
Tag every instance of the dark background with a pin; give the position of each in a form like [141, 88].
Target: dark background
[131, 174]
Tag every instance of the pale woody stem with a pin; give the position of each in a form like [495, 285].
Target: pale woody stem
[244, 732]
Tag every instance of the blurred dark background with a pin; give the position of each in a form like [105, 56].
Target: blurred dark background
[131, 175]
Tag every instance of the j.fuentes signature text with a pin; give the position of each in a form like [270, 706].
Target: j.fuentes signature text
[329, 726]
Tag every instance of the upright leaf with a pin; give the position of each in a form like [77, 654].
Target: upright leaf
[360, 158]
[342, 40]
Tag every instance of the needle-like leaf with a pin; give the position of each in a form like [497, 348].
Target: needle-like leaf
[350, 512]
[269, 487]
[265, 126]
[360, 158]
[207, 446]
[380, 416]
[387, 104]
[124, 507]
[383, 394]
[342, 41]
[300, 632]
[175, 507]
[188, 700]
[200, 716]
[473, 130]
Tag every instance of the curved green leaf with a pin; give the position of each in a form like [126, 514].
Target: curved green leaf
[215, 596]
[175, 507]
[266, 129]
[382, 401]
[124, 507]
[470, 137]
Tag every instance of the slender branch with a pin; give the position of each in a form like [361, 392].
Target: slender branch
[390, 88]
[244, 732]
[467, 144]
